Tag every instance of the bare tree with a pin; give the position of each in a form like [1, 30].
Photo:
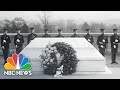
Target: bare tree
[114, 26]
[1, 26]
[118, 28]
[7, 23]
[85, 26]
[71, 25]
[80, 28]
[45, 19]
[37, 27]
[95, 27]
[111, 27]
[60, 24]
[19, 22]
[103, 26]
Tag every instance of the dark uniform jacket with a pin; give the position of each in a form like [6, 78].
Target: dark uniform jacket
[18, 37]
[46, 35]
[59, 35]
[102, 41]
[75, 35]
[5, 41]
[114, 40]
[89, 38]
[31, 37]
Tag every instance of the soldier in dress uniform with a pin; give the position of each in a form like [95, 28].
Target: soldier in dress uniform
[102, 42]
[114, 40]
[59, 33]
[18, 41]
[46, 33]
[31, 36]
[5, 41]
[89, 37]
[75, 33]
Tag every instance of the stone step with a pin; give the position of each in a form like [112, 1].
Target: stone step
[107, 71]
[81, 66]
[91, 66]
[36, 66]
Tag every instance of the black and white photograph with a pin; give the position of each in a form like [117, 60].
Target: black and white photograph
[59, 44]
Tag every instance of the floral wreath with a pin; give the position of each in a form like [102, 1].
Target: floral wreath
[57, 55]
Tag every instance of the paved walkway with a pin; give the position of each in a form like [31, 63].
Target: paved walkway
[115, 68]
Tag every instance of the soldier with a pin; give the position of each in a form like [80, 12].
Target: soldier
[75, 33]
[114, 40]
[46, 33]
[89, 37]
[5, 41]
[102, 41]
[31, 36]
[59, 35]
[18, 41]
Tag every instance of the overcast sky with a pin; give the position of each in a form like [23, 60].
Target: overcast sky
[83, 15]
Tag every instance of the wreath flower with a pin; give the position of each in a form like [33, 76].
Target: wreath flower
[56, 55]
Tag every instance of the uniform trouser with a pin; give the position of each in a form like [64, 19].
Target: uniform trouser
[113, 52]
[19, 49]
[5, 54]
[102, 51]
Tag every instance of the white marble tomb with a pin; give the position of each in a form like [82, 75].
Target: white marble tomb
[90, 58]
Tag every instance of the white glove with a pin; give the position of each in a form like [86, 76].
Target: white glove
[4, 41]
[114, 46]
[3, 47]
[113, 42]
[18, 40]
[103, 40]
[88, 40]
[101, 46]
[116, 40]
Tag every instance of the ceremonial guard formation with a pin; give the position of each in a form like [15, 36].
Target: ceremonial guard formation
[102, 42]
[59, 33]
[75, 33]
[5, 41]
[89, 37]
[18, 41]
[31, 36]
[114, 40]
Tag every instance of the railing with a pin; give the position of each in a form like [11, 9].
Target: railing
[95, 35]
[64, 34]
